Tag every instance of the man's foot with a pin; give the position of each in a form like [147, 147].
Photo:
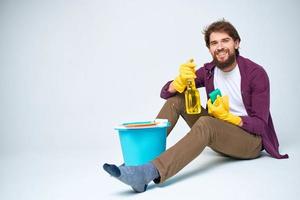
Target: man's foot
[137, 177]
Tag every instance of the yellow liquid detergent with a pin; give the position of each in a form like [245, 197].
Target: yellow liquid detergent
[192, 98]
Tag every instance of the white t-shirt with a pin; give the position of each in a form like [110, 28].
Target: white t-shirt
[230, 84]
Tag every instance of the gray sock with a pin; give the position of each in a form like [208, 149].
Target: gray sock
[137, 177]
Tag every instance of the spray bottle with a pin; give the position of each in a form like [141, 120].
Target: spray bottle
[192, 97]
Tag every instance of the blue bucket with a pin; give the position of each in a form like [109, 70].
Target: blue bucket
[141, 144]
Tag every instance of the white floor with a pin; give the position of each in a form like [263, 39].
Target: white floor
[75, 175]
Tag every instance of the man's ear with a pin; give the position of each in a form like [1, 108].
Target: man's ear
[236, 44]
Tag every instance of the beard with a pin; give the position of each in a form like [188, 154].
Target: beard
[226, 63]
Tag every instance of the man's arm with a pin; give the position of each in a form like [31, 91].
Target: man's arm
[260, 103]
[165, 93]
[171, 88]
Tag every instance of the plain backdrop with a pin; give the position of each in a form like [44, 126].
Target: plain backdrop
[71, 70]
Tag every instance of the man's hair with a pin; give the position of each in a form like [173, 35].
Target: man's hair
[221, 26]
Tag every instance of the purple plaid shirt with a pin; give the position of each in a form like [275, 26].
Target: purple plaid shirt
[255, 90]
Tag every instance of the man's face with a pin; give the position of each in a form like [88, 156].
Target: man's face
[222, 48]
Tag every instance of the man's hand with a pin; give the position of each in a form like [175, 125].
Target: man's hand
[186, 71]
[220, 109]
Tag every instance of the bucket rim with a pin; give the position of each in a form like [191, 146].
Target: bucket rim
[157, 123]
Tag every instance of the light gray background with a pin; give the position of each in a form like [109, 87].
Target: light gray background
[72, 70]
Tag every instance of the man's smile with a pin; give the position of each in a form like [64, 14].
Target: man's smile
[222, 55]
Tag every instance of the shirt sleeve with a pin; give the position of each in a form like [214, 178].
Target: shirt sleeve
[200, 73]
[165, 94]
[256, 121]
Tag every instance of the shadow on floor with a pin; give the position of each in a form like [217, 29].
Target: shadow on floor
[202, 169]
[217, 161]
[205, 167]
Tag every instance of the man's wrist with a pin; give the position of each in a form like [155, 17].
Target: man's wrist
[241, 123]
[236, 120]
[171, 88]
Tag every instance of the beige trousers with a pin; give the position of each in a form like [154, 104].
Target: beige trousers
[219, 135]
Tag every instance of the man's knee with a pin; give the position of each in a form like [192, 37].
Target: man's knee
[204, 127]
[205, 121]
[176, 101]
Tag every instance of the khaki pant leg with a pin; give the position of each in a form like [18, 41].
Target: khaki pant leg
[207, 131]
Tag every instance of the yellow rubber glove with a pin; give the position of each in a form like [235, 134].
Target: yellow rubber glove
[220, 109]
[186, 71]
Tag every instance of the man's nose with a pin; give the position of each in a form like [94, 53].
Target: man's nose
[220, 45]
